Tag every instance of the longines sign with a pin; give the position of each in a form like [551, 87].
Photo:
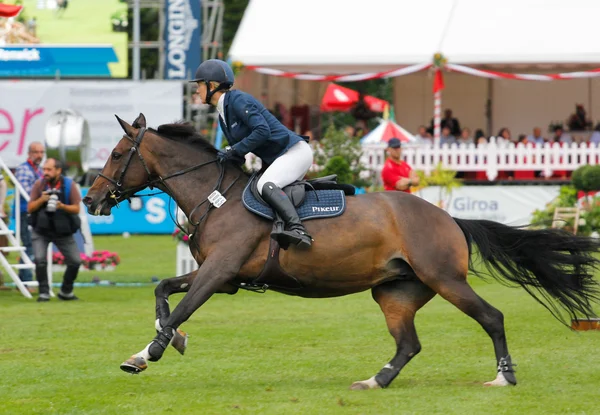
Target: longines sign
[182, 38]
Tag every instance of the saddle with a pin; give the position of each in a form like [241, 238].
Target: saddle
[322, 197]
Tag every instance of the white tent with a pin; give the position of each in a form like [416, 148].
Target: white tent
[341, 36]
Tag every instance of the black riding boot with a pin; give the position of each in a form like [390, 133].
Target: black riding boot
[294, 232]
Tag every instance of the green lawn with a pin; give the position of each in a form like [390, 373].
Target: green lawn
[274, 354]
[84, 22]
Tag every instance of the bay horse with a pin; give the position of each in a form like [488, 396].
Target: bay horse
[402, 248]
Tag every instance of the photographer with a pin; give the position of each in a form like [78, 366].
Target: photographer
[54, 208]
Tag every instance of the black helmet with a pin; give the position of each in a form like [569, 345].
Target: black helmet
[215, 70]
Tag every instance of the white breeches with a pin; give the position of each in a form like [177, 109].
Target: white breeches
[289, 167]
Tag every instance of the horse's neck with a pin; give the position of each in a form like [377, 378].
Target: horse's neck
[193, 188]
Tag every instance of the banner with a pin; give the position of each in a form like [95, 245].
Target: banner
[26, 106]
[50, 61]
[144, 215]
[511, 205]
[182, 38]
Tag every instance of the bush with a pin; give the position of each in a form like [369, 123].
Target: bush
[586, 178]
[336, 143]
[577, 177]
[338, 165]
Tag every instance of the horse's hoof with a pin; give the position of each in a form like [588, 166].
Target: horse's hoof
[180, 341]
[500, 381]
[134, 365]
[365, 384]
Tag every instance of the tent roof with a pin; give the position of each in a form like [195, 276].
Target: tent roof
[335, 36]
[386, 130]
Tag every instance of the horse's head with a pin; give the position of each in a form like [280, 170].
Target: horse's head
[124, 173]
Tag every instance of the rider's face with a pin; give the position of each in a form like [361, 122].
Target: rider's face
[201, 91]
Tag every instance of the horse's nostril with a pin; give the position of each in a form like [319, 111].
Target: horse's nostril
[87, 200]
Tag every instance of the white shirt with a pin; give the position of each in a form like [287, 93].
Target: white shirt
[220, 107]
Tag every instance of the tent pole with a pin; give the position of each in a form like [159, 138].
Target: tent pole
[488, 107]
[437, 117]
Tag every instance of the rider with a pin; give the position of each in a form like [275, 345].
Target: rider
[250, 127]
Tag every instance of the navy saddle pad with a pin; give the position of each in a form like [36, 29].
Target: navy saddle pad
[317, 204]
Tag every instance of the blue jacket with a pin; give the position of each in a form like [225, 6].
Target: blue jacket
[250, 127]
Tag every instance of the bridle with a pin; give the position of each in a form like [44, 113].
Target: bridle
[119, 193]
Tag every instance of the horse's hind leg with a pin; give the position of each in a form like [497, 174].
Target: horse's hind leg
[460, 293]
[399, 300]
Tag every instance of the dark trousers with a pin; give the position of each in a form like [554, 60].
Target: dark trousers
[26, 274]
[68, 247]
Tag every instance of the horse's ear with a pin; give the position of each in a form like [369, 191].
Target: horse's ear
[126, 127]
[140, 121]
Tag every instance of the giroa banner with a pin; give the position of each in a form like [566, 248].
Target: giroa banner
[182, 38]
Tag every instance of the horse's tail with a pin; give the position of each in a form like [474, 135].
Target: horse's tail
[553, 266]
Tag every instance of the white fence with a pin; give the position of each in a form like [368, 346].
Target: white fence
[490, 158]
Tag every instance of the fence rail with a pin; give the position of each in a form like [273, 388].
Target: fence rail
[490, 158]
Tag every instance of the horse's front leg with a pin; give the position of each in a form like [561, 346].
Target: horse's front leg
[162, 292]
[177, 285]
[212, 275]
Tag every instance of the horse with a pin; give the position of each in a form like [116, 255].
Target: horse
[402, 248]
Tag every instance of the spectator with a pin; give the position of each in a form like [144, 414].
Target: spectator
[32, 26]
[3, 238]
[448, 121]
[396, 173]
[478, 135]
[579, 120]
[536, 137]
[54, 209]
[523, 139]
[423, 136]
[27, 173]
[595, 137]
[465, 137]
[561, 137]
[447, 137]
[504, 135]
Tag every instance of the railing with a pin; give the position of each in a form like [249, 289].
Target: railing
[491, 158]
[14, 238]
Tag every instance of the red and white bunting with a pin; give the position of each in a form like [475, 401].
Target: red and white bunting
[342, 78]
[592, 73]
[522, 76]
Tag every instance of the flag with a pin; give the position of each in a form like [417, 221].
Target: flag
[438, 81]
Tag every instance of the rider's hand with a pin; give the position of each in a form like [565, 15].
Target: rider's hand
[225, 155]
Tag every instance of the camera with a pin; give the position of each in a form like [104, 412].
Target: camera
[51, 204]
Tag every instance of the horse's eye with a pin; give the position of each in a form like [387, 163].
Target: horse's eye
[116, 156]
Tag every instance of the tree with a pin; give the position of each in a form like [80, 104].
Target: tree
[234, 11]
[149, 58]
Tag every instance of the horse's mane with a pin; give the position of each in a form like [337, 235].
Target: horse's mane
[185, 132]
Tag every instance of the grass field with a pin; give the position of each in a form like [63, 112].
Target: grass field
[84, 22]
[273, 354]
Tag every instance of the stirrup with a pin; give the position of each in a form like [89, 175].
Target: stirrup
[285, 238]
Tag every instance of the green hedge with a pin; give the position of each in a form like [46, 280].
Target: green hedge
[586, 178]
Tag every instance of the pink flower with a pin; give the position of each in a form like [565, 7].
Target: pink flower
[185, 238]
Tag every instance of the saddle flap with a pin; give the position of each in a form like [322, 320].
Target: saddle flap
[296, 192]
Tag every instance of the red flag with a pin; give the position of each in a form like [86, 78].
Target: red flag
[10, 10]
[438, 81]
